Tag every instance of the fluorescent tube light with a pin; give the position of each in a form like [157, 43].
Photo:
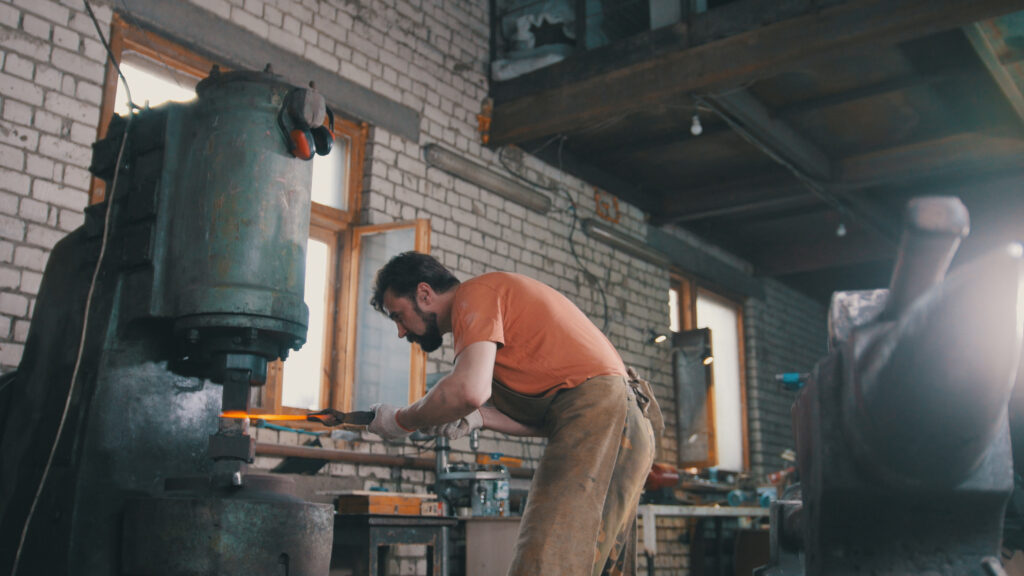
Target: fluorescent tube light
[628, 244]
[484, 177]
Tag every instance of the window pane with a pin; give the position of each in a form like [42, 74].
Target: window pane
[329, 176]
[151, 83]
[303, 369]
[382, 359]
[673, 310]
[724, 323]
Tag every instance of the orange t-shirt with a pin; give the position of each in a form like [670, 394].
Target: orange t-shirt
[544, 341]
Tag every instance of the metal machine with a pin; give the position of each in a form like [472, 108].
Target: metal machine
[902, 432]
[115, 459]
[481, 489]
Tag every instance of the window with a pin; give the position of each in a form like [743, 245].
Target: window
[373, 370]
[333, 368]
[694, 307]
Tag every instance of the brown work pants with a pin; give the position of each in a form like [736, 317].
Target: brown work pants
[580, 515]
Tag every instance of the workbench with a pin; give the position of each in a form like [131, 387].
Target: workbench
[490, 544]
[362, 541]
[648, 514]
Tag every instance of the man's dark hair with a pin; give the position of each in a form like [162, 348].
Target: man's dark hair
[404, 272]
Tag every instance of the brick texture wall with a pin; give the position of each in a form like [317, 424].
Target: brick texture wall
[431, 57]
[785, 332]
[52, 70]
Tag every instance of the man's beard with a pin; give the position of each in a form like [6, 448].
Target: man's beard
[431, 339]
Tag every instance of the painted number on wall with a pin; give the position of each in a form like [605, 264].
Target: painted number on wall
[607, 206]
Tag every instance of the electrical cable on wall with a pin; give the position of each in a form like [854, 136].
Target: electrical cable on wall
[89, 295]
[591, 278]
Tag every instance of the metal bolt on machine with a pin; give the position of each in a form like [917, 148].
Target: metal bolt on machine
[179, 289]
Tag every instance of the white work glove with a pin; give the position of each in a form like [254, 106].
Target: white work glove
[457, 429]
[385, 423]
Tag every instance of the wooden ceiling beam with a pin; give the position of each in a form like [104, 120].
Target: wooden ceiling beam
[640, 143]
[796, 201]
[877, 89]
[729, 198]
[564, 107]
[985, 38]
[786, 146]
[974, 154]
[768, 204]
[825, 251]
[970, 153]
[771, 135]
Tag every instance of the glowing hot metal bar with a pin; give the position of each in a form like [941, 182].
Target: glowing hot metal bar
[268, 417]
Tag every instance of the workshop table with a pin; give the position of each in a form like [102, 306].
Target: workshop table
[649, 512]
[362, 541]
[490, 544]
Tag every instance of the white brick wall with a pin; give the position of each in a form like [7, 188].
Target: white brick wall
[785, 332]
[49, 97]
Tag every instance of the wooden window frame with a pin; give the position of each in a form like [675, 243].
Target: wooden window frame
[272, 391]
[688, 289]
[321, 215]
[418, 363]
[126, 37]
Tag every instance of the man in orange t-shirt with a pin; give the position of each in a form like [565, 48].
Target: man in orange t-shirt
[548, 371]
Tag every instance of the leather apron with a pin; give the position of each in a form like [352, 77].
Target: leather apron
[580, 515]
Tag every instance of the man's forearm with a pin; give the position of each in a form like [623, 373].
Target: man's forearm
[496, 420]
[465, 389]
[442, 404]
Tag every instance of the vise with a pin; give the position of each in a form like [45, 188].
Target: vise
[480, 489]
[902, 433]
[155, 316]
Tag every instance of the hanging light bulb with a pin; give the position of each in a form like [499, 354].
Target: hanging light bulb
[841, 230]
[695, 126]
